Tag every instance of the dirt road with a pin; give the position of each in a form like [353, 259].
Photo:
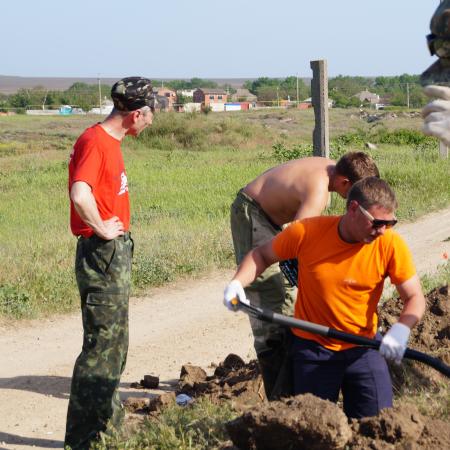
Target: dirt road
[183, 322]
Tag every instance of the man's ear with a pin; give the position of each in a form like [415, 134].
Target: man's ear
[352, 206]
[342, 185]
[136, 114]
[347, 185]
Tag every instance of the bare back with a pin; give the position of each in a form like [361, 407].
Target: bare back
[294, 190]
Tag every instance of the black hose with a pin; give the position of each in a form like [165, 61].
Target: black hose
[270, 316]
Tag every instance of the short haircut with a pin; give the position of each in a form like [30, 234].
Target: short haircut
[145, 110]
[373, 191]
[357, 165]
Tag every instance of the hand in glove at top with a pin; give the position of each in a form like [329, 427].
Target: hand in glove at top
[394, 342]
[436, 114]
[232, 291]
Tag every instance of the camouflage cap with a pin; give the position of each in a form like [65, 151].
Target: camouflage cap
[132, 93]
[440, 22]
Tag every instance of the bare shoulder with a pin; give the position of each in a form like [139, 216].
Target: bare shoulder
[317, 172]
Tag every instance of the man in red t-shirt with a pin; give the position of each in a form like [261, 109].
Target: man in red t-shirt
[100, 218]
[343, 262]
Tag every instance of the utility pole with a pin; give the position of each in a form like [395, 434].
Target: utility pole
[407, 95]
[298, 101]
[99, 94]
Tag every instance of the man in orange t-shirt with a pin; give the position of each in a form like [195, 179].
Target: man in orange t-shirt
[343, 262]
[100, 218]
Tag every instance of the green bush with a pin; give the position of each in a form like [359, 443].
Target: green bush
[282, 153]
[13, 301]
[402, 137]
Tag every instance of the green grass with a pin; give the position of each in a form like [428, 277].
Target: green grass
[183, 174]
[200, 426]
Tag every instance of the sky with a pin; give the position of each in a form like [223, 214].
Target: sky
[213, 38]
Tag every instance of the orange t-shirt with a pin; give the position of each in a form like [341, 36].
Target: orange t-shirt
[340, 284]
[97, 160]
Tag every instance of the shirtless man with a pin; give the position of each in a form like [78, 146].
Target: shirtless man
[292, 191]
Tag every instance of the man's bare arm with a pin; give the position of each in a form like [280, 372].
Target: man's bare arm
[413, 301]
[255, 263]
[86, 207]
[395, 341]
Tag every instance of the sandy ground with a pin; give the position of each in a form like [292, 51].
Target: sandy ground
[183, 322]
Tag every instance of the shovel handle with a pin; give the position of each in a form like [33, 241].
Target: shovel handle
[270, 316]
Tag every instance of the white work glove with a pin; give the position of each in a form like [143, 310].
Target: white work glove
[232, 291]
[394, 342]
[436, 114]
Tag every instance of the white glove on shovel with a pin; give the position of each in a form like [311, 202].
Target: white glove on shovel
[232, 291]
[394, 343]
[436, 114]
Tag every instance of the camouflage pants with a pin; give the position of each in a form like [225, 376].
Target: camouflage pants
[103, 270]
[250, 228]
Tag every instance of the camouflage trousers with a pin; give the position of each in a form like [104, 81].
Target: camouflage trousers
[103, 270]
[250, 228]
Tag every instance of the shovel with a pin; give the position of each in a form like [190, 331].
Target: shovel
[269, 316]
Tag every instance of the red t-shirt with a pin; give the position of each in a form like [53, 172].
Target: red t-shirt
[340, 284]
[97, 160]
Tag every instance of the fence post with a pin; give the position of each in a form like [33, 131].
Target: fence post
[319, 97]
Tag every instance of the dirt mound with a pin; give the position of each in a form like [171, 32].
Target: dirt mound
[300, 422]
[306, 421]
[400, 428]
[233, 380]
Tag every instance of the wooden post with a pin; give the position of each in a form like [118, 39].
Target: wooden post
[443, 150]
[319, 96]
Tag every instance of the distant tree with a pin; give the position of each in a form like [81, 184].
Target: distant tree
[342, 100]
[349, 86]
[288, 88]
[267, 93]
[183, 99]
[201, 83]
[85, 96]
[228, 88]
[417, 99]
[262, 82]
[20, 99]
[271, 89]
[193, 83]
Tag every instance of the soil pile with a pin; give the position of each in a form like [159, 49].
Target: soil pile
[308, 422]
[233, 380]
[304, 422]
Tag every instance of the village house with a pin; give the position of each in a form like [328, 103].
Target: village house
[210, 96]
[243, 95]
[169, 94]
[368, 97]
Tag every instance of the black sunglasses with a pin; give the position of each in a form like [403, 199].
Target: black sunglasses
[378, 223]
